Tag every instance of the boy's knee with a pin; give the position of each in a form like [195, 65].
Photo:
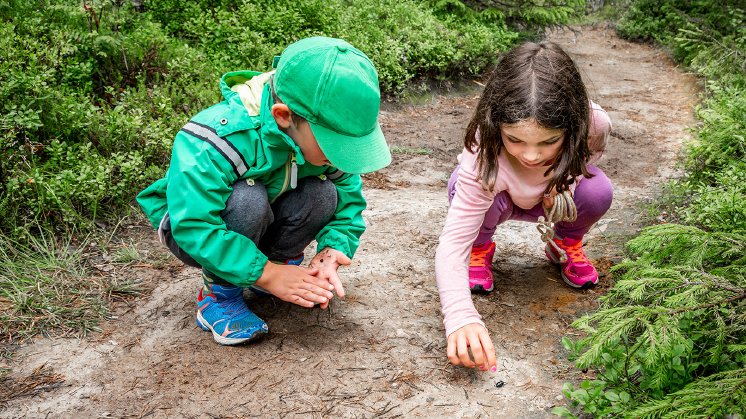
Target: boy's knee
[321, 194]
[247, 207]
[317, 185]
[247, 196]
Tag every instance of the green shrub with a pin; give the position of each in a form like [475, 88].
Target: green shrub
[88, 109]
[405, 39]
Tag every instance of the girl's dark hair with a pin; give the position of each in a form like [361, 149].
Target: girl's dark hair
[540, 82]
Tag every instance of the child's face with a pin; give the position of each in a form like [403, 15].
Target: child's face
[300, 133]
[532, 145]
[303, 136]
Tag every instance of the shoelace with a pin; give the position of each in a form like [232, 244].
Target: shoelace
[575, 252]
[234, 307]
[479, 257]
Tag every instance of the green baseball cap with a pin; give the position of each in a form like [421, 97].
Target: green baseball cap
[334, 86]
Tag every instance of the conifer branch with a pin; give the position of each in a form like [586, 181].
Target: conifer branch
[710, 305]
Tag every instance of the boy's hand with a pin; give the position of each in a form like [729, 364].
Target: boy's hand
[295, 284]
[328, 261]
[473, 336]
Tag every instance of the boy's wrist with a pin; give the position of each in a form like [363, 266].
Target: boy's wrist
[267, 274]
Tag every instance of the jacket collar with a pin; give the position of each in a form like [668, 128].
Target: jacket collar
[252, 90]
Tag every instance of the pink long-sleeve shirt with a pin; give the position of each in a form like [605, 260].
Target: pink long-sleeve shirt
[470, 204]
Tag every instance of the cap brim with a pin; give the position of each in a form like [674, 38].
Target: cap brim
[356, 155]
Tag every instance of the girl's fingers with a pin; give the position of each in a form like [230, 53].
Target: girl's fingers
[451, 351]
[489, 350]
[463, 351]
[476, 350]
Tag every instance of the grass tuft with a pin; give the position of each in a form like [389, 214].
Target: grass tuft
[46, 288]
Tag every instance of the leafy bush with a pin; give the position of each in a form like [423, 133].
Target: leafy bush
[525, 13]
[405, 39]
[81, 128]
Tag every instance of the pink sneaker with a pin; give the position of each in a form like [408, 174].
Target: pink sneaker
[480, 267]
[577, 271]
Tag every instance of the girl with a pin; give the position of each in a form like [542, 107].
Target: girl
[534, 134]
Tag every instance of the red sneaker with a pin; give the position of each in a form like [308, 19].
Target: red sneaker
[480, 267]
[577, 271]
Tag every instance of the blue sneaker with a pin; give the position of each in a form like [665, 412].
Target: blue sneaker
[224, 313]
[261, 291]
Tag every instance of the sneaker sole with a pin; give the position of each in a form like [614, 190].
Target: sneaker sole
[588, 284]
[482, 290]
[556, 261]
[202, 323]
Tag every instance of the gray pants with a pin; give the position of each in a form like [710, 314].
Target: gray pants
[281, 230]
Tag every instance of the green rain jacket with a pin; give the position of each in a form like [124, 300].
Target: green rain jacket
[232, 140]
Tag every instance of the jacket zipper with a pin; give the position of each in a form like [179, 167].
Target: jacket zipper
[293, 172]
[291, 176]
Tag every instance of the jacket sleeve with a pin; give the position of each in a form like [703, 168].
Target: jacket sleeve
[344, 230]
[200, 180]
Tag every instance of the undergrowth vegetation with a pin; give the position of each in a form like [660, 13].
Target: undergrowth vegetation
[669, 339]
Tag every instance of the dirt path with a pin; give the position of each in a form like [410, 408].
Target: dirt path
[381, 352]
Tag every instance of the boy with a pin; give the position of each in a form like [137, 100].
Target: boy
[254, 179]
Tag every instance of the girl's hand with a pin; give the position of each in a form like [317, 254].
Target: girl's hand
[295, 284]
[548, 200]
[328, 261]
[473, 336]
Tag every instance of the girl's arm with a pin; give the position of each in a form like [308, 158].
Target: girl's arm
[465, 216]
[598, 132]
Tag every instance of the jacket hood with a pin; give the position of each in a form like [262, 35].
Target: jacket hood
[248, 85]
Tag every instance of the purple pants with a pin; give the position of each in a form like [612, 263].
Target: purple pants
[592, 198]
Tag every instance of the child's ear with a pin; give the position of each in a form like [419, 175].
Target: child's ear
[282, 115]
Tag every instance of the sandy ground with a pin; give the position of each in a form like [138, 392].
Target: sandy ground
[381, 351]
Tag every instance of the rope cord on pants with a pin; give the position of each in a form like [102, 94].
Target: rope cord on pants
[563, 210]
